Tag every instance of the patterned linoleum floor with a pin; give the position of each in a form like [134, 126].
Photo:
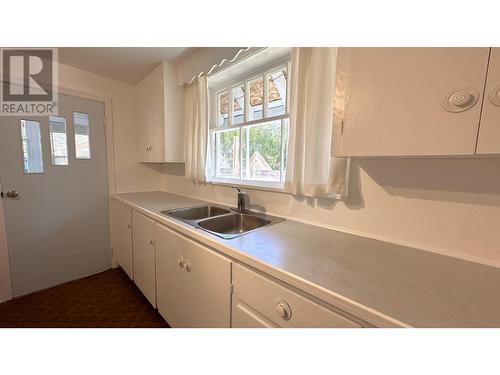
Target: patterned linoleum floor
[106, 300]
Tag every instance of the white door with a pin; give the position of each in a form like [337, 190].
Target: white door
[55, 196]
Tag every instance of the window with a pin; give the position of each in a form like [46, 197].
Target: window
[82, 141]
[32, 146]
[249, 128]
[58, 140]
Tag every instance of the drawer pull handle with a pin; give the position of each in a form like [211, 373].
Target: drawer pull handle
[180, 261]
[283, 310]
[187, 265]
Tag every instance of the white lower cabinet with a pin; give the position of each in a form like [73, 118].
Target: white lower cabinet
[193, 282]
[143, 229]
[195, 286]
[243, 316]
[121, 236]
[262, 302]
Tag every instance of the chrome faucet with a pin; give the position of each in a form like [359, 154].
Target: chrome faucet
[242, 197]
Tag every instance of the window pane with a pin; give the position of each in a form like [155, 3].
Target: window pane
[256, 88]
[82, 141]
[277, 92]
[239, 105]
[223, 105]
[262, 151]
[58, 140]
[227, 153]
[32, 146]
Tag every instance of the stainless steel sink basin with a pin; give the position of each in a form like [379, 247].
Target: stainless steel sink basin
[233, 224]
[196, 213]
[236, 224]
[224, 222]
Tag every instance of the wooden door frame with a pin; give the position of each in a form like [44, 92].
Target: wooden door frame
[6, 287]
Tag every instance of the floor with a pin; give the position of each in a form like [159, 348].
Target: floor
[107, 299]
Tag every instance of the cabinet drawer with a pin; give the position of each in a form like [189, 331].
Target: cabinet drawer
[283, 306]
[245, 317]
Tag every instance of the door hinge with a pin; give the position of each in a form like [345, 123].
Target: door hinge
[342, 127]
[231, 288]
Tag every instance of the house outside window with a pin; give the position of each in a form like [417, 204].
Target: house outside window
[249, 121]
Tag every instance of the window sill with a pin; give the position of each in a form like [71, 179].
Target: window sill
[275, 188]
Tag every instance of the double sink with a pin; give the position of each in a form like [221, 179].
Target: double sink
[224, 222]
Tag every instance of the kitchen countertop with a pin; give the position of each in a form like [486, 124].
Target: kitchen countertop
[385, 284]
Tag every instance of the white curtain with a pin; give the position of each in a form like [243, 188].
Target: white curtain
[196, 129]
[311, 171]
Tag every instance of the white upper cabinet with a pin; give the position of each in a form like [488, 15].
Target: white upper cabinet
[489, 130]
[160, 116]
[409, 101]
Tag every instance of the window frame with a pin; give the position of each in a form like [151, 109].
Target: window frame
[88, 136]
[51, 140]
[244, 79]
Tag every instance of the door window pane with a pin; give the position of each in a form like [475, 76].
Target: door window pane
[227, 153]
[82, 134]
[239, 104]
[256, 88]
[32, 146]
[58, 140]
[262, 151]
[277, 92]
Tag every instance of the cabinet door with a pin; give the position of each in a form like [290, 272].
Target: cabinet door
[489, 131]
[144, 255]
[391, 101]
[246, 317]
[151, 117]
[121, 236]
[193, 282]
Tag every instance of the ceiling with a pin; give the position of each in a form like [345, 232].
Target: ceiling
[127, 64]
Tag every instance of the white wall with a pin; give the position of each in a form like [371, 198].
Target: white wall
[129, 174]
[449, 206]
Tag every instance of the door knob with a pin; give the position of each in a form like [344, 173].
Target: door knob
[12, 194]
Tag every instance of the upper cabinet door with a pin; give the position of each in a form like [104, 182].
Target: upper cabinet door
[160, 116]
[408, 101]
[489, 131]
